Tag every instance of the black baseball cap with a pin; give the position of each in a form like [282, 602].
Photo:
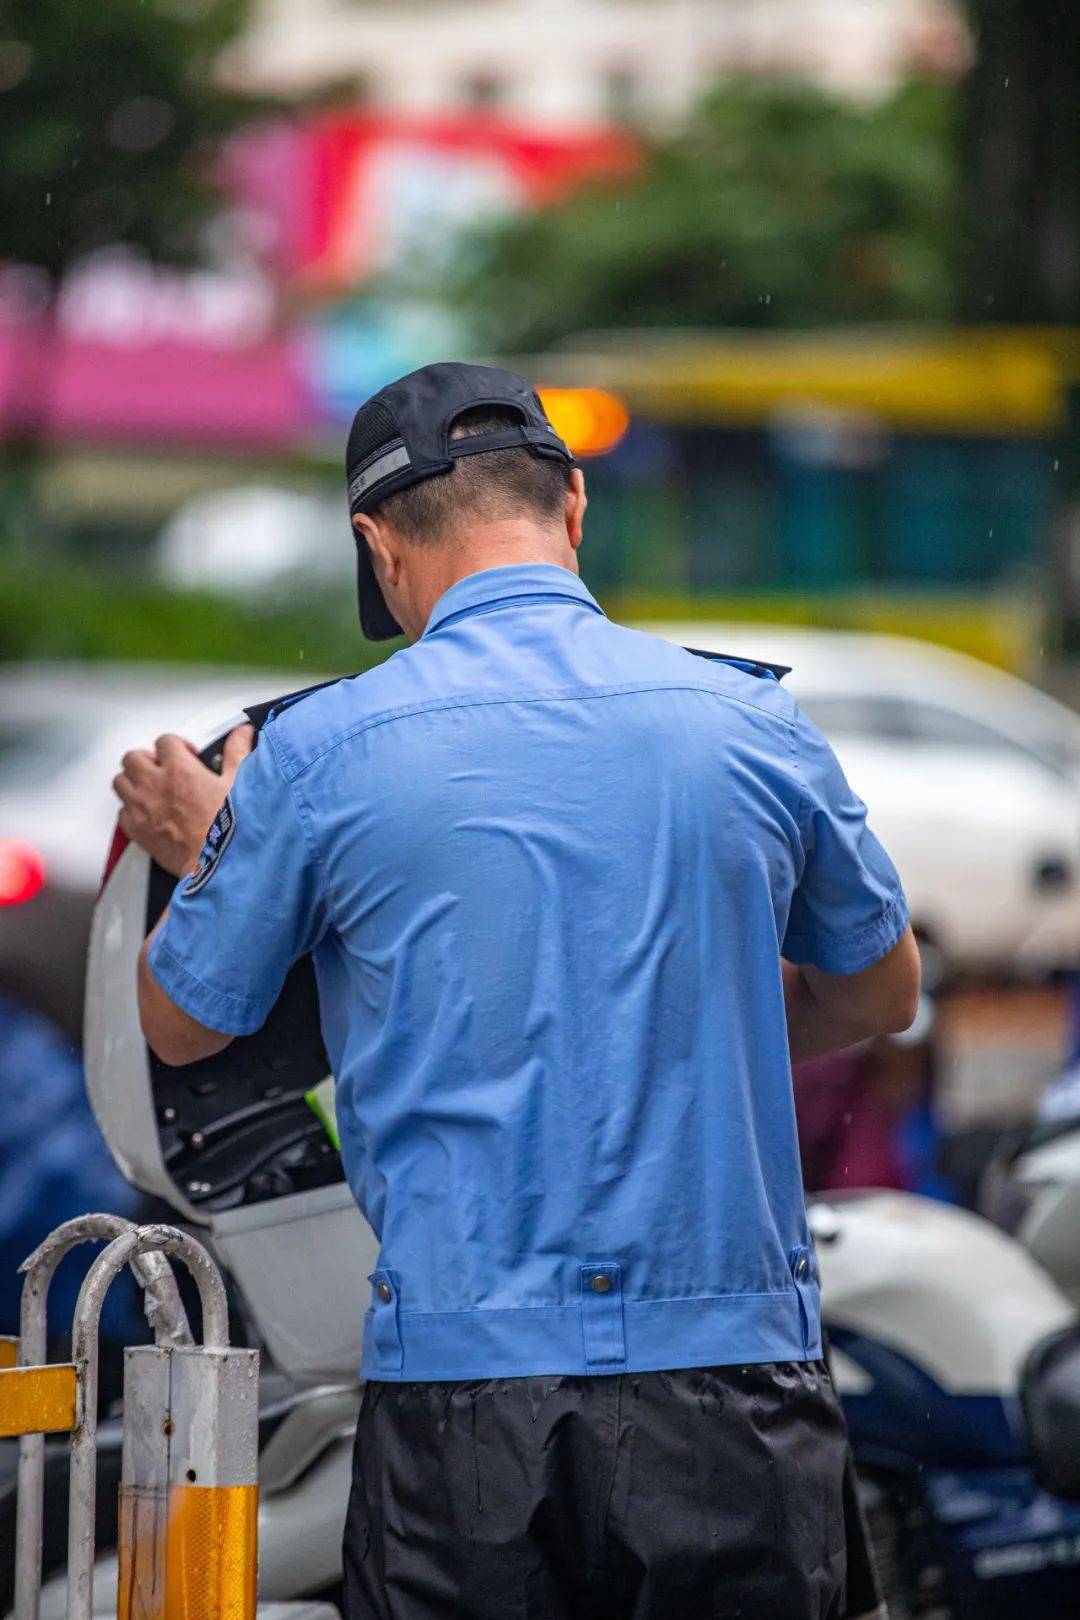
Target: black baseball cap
[401, 436]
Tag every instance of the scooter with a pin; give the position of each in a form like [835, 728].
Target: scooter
[957, 1358]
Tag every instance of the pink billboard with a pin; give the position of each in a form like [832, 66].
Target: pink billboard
[252, 353]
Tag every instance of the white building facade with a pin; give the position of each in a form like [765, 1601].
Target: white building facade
[559, 63]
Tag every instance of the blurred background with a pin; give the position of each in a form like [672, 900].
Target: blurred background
[800, 279]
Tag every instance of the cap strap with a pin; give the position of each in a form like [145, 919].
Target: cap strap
[546, 441]
[390, 460]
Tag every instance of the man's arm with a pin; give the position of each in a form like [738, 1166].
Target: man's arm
[170, 1032]
[827, 1011]
[169, 798]
[850, 962]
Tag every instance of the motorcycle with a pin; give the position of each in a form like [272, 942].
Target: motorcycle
[957, 1358]
[1031, 1189]
[958, 1363]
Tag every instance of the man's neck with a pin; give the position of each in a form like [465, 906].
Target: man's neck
[496, 545]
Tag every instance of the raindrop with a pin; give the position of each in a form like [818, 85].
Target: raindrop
[1057, 464]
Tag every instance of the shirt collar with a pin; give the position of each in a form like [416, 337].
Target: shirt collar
[495, 586]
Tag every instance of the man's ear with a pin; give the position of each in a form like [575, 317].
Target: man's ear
[574, 509]
[381, 541]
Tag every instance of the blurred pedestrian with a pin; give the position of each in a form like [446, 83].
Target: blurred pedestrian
[54, 1165]
[867, 1115]
[549, 869]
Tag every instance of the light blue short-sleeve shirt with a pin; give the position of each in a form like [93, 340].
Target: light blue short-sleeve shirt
[548, 867]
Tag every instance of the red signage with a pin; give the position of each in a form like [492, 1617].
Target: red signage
[383, 189]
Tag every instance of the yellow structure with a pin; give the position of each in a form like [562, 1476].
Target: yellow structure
[38, 1400]
[994, 381]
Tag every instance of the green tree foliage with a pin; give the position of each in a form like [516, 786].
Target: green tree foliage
[110, 122]
[777, 205]
[109, 113]
[52, 609]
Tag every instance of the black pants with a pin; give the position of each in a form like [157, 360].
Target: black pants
[689, 1495]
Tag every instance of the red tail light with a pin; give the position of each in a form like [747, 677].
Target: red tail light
[22, 872]
[120, 842]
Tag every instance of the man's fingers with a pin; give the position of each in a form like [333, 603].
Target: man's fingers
[138, 762]
[170, 746]
[123, 788]
[238, 744]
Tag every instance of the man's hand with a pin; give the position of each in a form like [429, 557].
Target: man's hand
[169, 797]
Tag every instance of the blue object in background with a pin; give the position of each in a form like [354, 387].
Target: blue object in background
[354, 350]
[1072, 1056]
[1061, 1098]
[918, 1143]
[53, 1165]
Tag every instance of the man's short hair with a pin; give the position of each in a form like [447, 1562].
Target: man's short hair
[485, 488]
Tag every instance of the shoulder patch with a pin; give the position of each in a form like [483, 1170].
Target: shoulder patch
[218, 840]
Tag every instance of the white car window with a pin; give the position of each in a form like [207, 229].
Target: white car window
[878, 718]
[933, 723]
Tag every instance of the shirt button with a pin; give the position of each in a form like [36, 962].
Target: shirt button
[601, 1284]
[384, 1293]
[802, 1267]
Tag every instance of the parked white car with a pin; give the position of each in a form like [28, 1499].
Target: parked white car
[972, 778]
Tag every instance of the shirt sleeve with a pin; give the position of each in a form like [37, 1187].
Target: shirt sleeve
[848, 909]
[251, 909]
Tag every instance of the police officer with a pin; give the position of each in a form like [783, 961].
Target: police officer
[576, 897]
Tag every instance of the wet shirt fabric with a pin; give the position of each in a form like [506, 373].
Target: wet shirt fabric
[548, 866]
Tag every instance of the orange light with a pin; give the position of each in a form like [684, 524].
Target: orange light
[590, 420]
[22, 872]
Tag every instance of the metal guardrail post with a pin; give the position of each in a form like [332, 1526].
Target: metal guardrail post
[83, 1485]
[164, 1312]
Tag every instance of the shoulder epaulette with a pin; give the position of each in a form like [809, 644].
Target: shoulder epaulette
[752, 666]
[260, 713]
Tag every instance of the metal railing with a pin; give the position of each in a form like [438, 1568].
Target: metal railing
[189, 1494]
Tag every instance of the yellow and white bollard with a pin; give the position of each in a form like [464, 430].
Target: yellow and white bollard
[189, 1493]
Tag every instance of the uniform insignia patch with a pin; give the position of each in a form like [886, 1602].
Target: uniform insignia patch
[217, 841]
